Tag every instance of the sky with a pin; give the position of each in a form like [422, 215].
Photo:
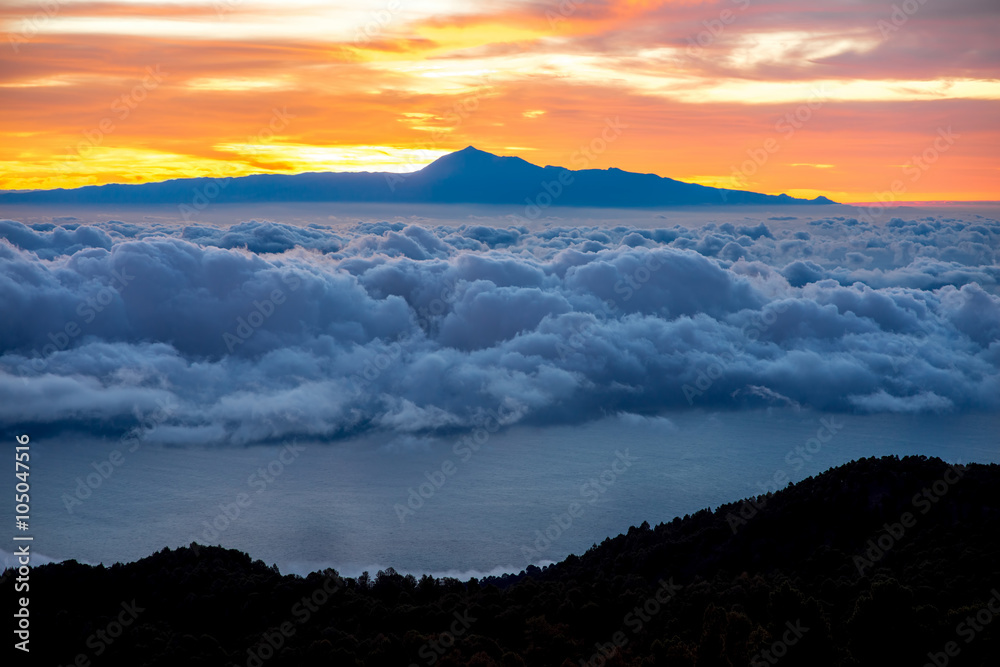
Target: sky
[853, 99]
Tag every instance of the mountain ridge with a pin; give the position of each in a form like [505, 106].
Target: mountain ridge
[467, 176]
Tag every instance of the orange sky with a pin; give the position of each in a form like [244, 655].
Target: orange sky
[822, 97]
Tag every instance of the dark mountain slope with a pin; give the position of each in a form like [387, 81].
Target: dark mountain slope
[785, 586]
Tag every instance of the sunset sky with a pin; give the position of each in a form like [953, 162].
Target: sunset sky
[835, 98]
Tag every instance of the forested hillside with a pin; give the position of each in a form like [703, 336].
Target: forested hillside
[878, 562]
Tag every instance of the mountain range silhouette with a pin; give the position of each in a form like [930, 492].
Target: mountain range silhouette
[468, 176]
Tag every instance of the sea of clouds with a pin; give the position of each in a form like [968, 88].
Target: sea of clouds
[262, 331]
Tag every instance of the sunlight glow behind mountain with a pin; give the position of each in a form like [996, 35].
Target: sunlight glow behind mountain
[702, 85]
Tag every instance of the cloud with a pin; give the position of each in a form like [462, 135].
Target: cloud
[49, 241]
[263, 331]
[882, 402]
[633, 420]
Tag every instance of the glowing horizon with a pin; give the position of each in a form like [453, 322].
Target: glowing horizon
[812, 99]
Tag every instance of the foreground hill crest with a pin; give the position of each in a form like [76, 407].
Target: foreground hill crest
[689, 592]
